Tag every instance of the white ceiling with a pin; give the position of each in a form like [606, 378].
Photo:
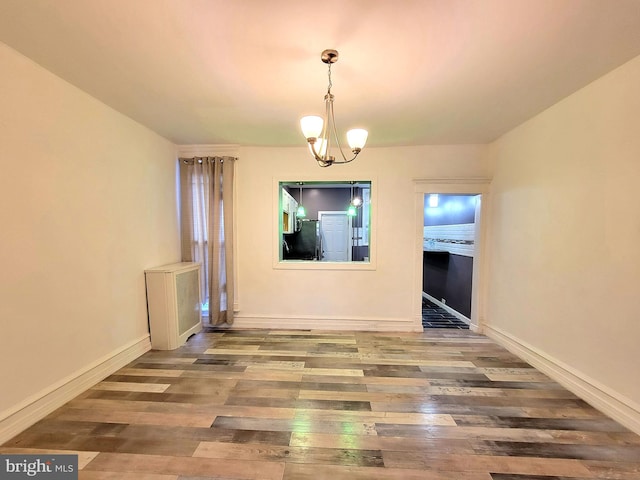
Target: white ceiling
[244, 71]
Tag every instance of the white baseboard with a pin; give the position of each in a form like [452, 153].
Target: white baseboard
[38, 406]
[621, 409]
[328, 323]
[450, 310]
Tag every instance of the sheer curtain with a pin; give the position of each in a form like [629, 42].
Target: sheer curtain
[206, 191]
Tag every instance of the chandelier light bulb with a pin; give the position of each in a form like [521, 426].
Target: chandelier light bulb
[357, 138]
[311, 126]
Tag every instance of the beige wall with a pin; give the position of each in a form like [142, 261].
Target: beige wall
[565, 243]
[383, 297]
[87, 202]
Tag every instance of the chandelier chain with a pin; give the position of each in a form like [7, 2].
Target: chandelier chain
[330, 83]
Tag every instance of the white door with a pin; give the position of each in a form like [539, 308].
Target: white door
[334, 236]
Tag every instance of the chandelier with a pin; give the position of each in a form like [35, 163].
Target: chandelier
[321, 132]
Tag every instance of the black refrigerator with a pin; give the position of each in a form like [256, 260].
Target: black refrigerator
[304, 244]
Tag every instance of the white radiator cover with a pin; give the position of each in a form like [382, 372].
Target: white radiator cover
[174, 304]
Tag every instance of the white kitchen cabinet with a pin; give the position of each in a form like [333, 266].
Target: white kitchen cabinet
[289, 212]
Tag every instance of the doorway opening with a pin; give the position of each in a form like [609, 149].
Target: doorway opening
[449, 234]
[449, 261]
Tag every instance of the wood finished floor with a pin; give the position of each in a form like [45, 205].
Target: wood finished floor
[298, 405]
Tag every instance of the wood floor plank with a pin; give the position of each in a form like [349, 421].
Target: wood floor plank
[295, 471]
[89, 475]
[376, 417]
[294, 425]
[132, 387]
[395, 444]
[138, 418]
[194, 466]
[486, 463]
[296, 405]
[289, 454]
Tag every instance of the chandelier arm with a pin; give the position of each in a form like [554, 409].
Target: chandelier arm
[313, 150]
[323, 138]
[321, 161]
[347, 160]
[335, 135]
[337, 139]
[334, 131]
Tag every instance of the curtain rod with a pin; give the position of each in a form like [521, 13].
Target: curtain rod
[191, 160]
